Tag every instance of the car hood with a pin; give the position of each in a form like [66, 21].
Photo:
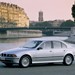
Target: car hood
[16, 50]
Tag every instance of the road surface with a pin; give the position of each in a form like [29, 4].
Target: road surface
[41, 69]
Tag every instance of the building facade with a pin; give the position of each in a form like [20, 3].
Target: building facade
[12, 15]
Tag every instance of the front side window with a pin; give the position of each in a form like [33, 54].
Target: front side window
[46, 45]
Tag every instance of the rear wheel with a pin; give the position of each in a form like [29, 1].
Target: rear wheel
[68, 60]
[25, 61]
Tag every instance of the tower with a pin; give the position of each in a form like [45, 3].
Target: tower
[40, 18]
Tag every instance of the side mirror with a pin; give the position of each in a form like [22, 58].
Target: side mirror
[39, 48]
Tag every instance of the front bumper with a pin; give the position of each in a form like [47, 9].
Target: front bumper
[9, 60]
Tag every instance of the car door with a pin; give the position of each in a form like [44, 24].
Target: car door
[43, 52]
[58, 50]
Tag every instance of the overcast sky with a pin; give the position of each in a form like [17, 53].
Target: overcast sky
[52, 9]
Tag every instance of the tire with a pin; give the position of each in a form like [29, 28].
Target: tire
[68, 60]
[25, 61]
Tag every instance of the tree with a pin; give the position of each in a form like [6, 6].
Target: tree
[67, 24]
[41, 25]
[73, 11]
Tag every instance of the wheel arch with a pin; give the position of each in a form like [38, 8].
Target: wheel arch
[28, 56]
[70, 55]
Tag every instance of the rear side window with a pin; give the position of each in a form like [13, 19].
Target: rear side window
[58, 44]
[64, 46]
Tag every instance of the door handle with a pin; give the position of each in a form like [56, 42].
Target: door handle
[50, 51]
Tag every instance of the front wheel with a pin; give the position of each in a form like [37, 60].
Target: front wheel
[24, 61]
[68, 60]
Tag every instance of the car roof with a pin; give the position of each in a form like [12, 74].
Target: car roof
[49, 38]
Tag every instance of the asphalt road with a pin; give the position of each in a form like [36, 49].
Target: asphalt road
[41, 69]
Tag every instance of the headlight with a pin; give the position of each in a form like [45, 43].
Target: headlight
[8, 55]
[13, 55]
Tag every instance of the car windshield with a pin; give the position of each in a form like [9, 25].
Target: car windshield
[31, 44]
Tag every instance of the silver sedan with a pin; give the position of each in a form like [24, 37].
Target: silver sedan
[40, 50]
